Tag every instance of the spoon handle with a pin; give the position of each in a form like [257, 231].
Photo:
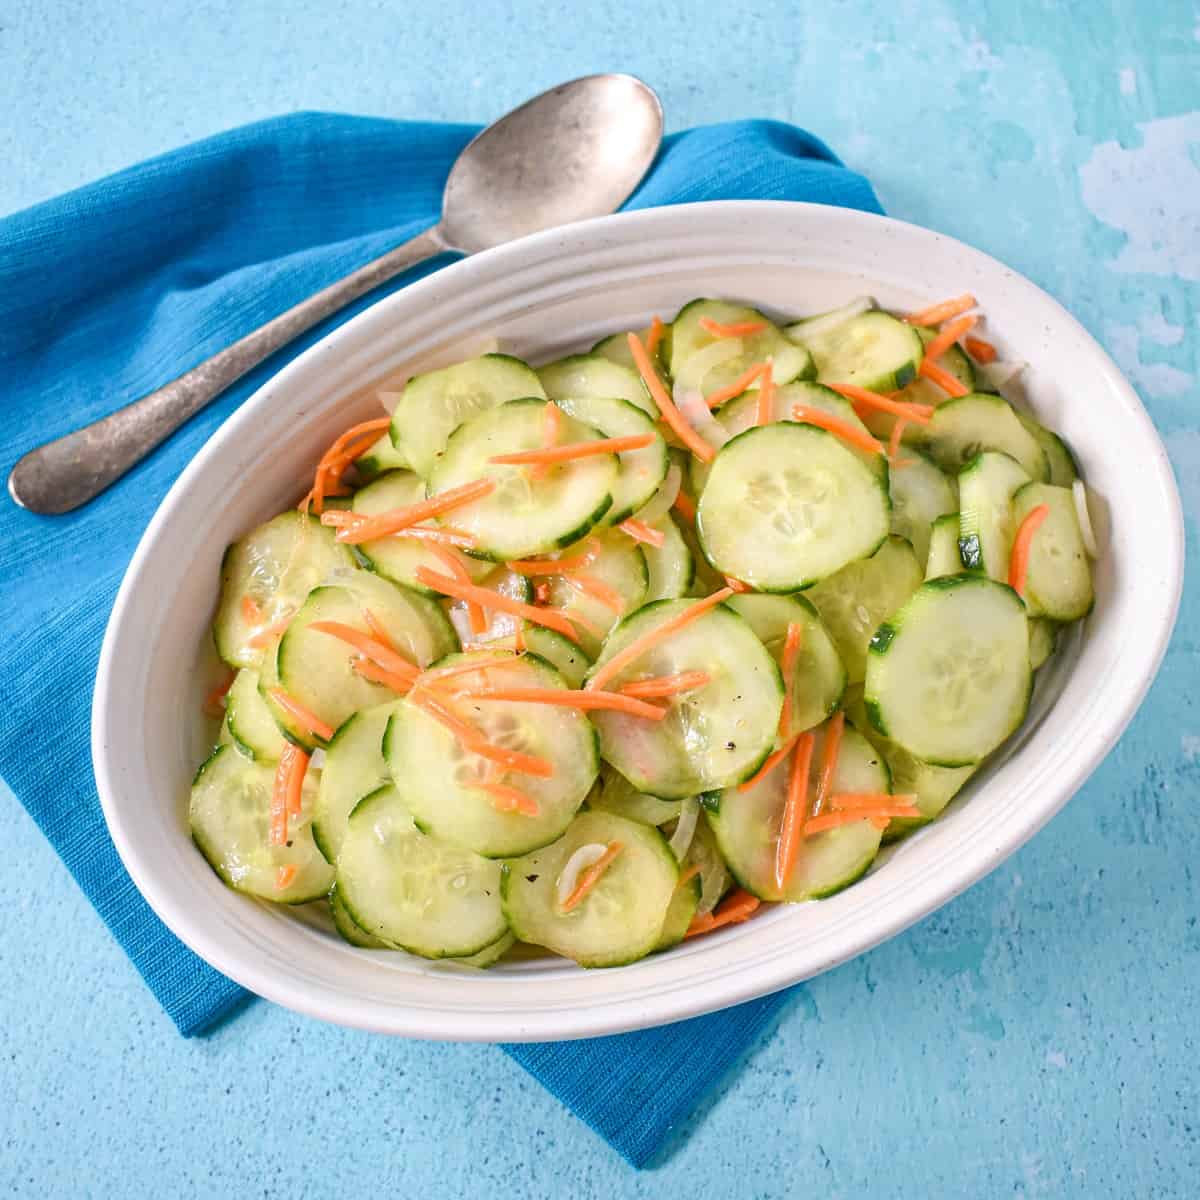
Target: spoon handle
[70, 471]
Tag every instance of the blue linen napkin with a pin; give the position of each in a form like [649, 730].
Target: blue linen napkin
[114, 289]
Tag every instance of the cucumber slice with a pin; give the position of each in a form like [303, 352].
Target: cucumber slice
[787, 505]
[1058, 583]
[986, 486]
[315, 668]
[354, 767]
[808, 327]
[348, 928]
[711, 737]
[874, 351]
[1043, 636]
[563, 655]
[500, 625]
[943, 558]
[230, 817]
[414, 891]
[920, 494]
[621, 919]
[434, 405]
[398, 558]
[680, 913]
[670, 568]
[1063, 471]
[521, 517]
[789, 360]
[593, 376]
[747, 827]
[859, 596]
[615, 794]
[948, 677]
[382, 457]
[439, 781]
[704, 853]
[640, 472]
[618, 565]
[705, 580]
[251, 725]
[615, 348]
[961, 428]
[819, 678]
[265, 577]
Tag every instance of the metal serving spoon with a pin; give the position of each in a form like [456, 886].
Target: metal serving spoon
[575, 151]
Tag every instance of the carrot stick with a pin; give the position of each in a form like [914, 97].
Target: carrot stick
[688, 875]
[685, 506]
[578, 618]
[373, 649]
[787, 668]
[641, 532]
[655, 336]
[833, 820]
[666, 406]
[795, 810]
[552, 423]
[736, 585]
[737, 387]
[944, 380]
[496, 600]
[413, 514]
[576, 450]
[771, 762]
[378, 630]
[437, 675]
[476, 617]
[980, 350]
[446, 535]
[766, 395]
[592, 875]
[471, 739]
[566, 698]
[898, 428]
[650, 639]
[860, 439]
[666, 685]
[400, 684]
[875, 804]
[269, 633]
[296, 762]
[333, 463]
[829, 759]
[920, 413]
[935, 314]
[510, 799]
[598, 590]
[738, 906]
[1018, 563]
[285, 876]
[306, 719]
[737, 329]
[251, 610]
[277, 834]
[949, 334]
[550, 566]
[214, 701]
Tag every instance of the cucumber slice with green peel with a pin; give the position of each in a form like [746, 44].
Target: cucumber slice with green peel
[641, 472]
[615, 794]
[921, 493]
[1043, 636]
[962, 428]
[398, 558]
[618, 566]
[854, 601]
[943, 557]
[432, 406]
[986, 486]
[354, 767]
[251, 725]
[713, 736]
[705, 580]
[349, 929]
[1063, 470]
[561, 653]
[500, 624]
[680, 913]
[874, 351]
[948, 676]
[439, 781]
[592, 377]
[670, 568]
[621, 919]
[265, 577]
[1058, 581]
[522, 516]
[822, 322]
[819, 678]
[382, 457]
[230, 817]
[747, 827]
[786, 505]
[615, 348]
[789, 360]
[413, 891]
[488, 956]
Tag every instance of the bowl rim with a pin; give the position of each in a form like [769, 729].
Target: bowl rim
[665, 1004]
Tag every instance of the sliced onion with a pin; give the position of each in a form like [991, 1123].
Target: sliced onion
[1086, 528]
[1002, 375]
[584, 857]
[685, 828]
[317, 758]
[660, 503]
[695, 367]
[817, 326]
[713, 884]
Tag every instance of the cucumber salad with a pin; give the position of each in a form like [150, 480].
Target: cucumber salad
[606, 654]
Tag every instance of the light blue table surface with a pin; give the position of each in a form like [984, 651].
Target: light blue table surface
[1038, 1036]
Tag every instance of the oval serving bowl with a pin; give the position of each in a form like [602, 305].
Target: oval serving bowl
[542, 297]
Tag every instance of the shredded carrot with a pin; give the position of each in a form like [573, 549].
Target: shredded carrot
[476, 617]
[737, 387]
[285, 876]
[387, 523]
[688, 875]
[787, 668]
[641, 532]
[943, 378]
[277, 834]
[876, 804]
[598, 590]
[898, 428]
[832, 820]
[510, 799]
[400, 684]
[378, 630]
[552, 424]
[736, 585]
[541, 592]
[269, 633]
[666, 685]
[829, 759]
[496, 600]
[306, 719]
[578, 618]
[296, 762]
[567, 698]
[685, 506]
[935, 314]
[251, 610]
[880, 822]
[471, 739]
[860, 439]
[592, 875]
[737, 907]
[766, 395]
[920, 413]
[1018, 563]
[436, 675]
[550, 566]
[770, 763]
[666, 406]
[373, 649]
[653, 637]
[948, 335]
[446, 535]
[980, 350]
[333, 463]
[737, 329]
[576, 450]
[795, 810]
[214, 701]
[519, 637]
[655, 335]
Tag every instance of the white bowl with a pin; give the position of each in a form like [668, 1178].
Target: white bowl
[541, 297]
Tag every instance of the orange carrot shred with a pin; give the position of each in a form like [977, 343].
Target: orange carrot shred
[550, 566]
[736, 585]
[437, 675]
[576, 450]
[506, 798]
[980, 350]
[333, 463]
[787, 668]
[214, 701]
[737, 907]
[737, 329]
[578, 618]
[476, 617]
[552, 424]
[860, 439]
[592, 875]
[297, 768]
[378, 630]
[898, 428]
[794, 812]
[943, 378]
[666, 685]
[935, 314]
[666, 406]
[920, 413]
[949, 334]
[251, 610]
[400, 684]
[370, 647]
[655, 335]
[304, 717]
[876, 804]
[685, 506]
[496, 600]
[766, 395]
[285, 876]
[830, 751]
[397, 519]
[278, 829]
[473, 740]
[769, 764]
[567, 698]
[269, 633]
[1018, 563]
[641, 532]
[598, 590]
[832, 820]
[688, 875]
[737, 387]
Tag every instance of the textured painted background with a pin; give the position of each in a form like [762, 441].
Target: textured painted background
[1038, 1037]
